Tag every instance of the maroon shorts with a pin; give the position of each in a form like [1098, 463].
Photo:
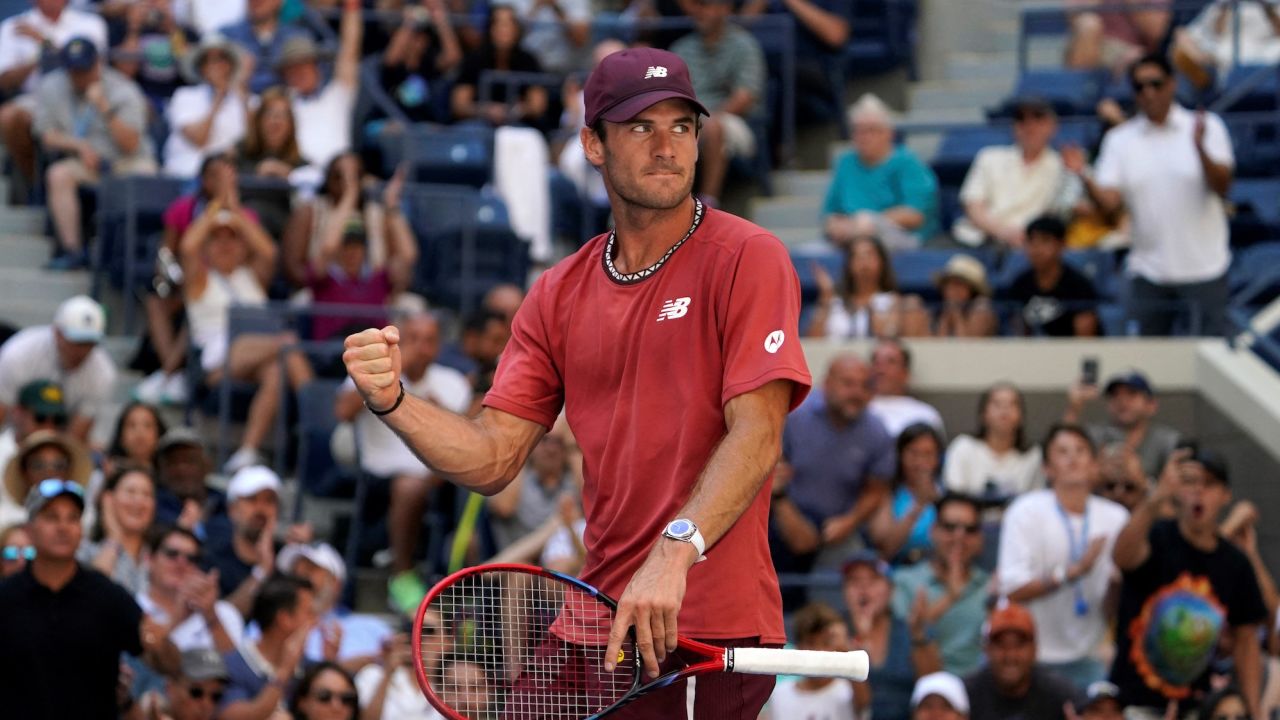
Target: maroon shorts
[716, 696]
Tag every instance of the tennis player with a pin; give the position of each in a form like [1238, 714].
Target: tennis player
[670, 344]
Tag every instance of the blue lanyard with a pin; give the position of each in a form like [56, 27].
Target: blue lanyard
[1075, 552]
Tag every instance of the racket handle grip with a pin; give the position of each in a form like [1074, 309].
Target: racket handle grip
[853, 665]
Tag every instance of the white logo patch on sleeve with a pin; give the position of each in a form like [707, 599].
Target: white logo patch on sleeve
[774, 341]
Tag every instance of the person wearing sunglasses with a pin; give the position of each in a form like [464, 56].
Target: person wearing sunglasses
[181, 596]
[325, 692]
[40, 406]
[195, 694]
[16, 550]
[955, 588]
[43, 454]
[1120, 476]
[1170, 169]
[1055, 556]
[59, 619]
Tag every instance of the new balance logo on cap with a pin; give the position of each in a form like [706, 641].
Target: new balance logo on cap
[655, 71]
[673, 309]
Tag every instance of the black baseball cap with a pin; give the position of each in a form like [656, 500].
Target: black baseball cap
[79, 54]
[1131, 379]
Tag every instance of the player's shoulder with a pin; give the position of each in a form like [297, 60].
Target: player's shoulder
[736, 236]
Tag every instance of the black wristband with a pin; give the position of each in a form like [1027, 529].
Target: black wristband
[391, 409]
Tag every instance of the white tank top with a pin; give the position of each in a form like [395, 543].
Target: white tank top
[207, 314]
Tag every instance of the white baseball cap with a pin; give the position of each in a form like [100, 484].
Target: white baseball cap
[321, 554]
[945, 685]
[252, 480]
[80, 320]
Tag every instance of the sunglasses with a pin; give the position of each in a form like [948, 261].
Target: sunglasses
[173, 554]
[46, 419]
[951, 527]
[328, 696]
[198, 693]
[48, 466]
[1121, 487]
[19, 552]
[54, 487]
[1140, 85]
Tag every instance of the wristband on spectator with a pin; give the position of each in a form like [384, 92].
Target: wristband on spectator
[388, 411]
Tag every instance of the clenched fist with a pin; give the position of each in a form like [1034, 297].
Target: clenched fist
[372, 358]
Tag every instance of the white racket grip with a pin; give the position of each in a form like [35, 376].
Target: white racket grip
[853, 665]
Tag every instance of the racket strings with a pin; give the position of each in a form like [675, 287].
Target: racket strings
[520, 646]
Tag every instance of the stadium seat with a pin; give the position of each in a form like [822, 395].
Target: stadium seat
[319, 475]
[130, 220]
[826, 256]
[1255, 274]
[1256, 216]
[915, 271]
[1256, 142]
[882, 37]
[456, 154]
[958, 148]
[1250, 88]
[1071, 92]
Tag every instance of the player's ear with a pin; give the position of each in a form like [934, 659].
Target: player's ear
[593, 144]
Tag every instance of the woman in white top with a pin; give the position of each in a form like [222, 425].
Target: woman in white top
[117, 544]
[996, 463]
[867, 303]
[208, 118]
[228, 259]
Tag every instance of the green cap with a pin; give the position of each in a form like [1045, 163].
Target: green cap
[43, 397]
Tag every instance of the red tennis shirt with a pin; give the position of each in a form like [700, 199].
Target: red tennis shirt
[643, 371]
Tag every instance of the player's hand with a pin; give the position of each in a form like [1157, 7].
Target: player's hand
[651, 603]
[372, 358]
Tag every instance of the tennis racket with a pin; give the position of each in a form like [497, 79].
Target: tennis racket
[519, 642]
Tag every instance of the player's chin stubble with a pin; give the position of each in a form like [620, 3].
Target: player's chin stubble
[651, 196]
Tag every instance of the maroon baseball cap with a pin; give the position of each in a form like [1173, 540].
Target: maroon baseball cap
[628, 81]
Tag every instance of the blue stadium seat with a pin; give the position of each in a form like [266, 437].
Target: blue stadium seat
[958, 148]
[1100, 266]
[1071, 92]
[882, 37]
[1250, 88]
[319, 475]
[1256, 141]
[1256, 216]
[130, 221]
[915, 270]
[1254, 273]
[826, 256]
[455, 154]
[9, 8]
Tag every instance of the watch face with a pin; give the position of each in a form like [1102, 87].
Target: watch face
[680, 527]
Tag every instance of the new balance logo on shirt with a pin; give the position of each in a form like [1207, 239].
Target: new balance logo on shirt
[674, 309]
[655, 71]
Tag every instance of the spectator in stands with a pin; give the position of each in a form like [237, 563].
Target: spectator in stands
[59, 619]
[503, 299]
[572, 159]
[535, 495]
[353, 639]
[1057, 300]
[30, 47]
[342, 269]
[822, 29]
[153, 48]
[819, 627]
[44, 454]
[837, 460]
[939, 696]
[208, 118]
[867, 303]
[137, 437]
[389, 688]
[901, 527]
[227, 259]
[423, 51]
[16, 550]
[324, 111]
[727, 67]
[263, 37]
[182, 597]
[261, 674]
[900, 650]
[117, 544]
[183, 495]
[1102, 701]
[996, 463]
[1012, 685]
[96, 119]
[1121, 478]
[385, 457]
[879, 189]
[484, 336]
[1063, 578]
[1008, 186]
[1104, 34]
[193, 694]
[1131, 408]
[1241, 528]
[1206, 48]
[1170, 169]
[65, 352]
[324, 688]
[270, 147]
[891, 378]
[966, 309]
[1188, 595]
[39, 407]
[558, 32]
[955, 589]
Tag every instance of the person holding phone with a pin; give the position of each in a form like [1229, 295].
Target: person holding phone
[1131, 406]
[210, 117]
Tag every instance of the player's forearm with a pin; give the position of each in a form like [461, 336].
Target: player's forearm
[470, 452]
[739, 466]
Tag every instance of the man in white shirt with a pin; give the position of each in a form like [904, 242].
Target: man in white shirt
[893, 404]
[1008, 186]
[29, 47]
[384, 455]
[65, 352]
[322, 112]
[1170, 169]
[1055, 556]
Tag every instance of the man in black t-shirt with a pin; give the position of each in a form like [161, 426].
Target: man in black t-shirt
[1012, 686]
[423, 49]
[1177, 603]
[1057, 300]
[63, 626]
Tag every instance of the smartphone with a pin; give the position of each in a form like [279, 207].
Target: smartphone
[1089, 371]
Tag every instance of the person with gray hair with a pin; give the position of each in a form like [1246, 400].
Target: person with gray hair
[878, 188]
